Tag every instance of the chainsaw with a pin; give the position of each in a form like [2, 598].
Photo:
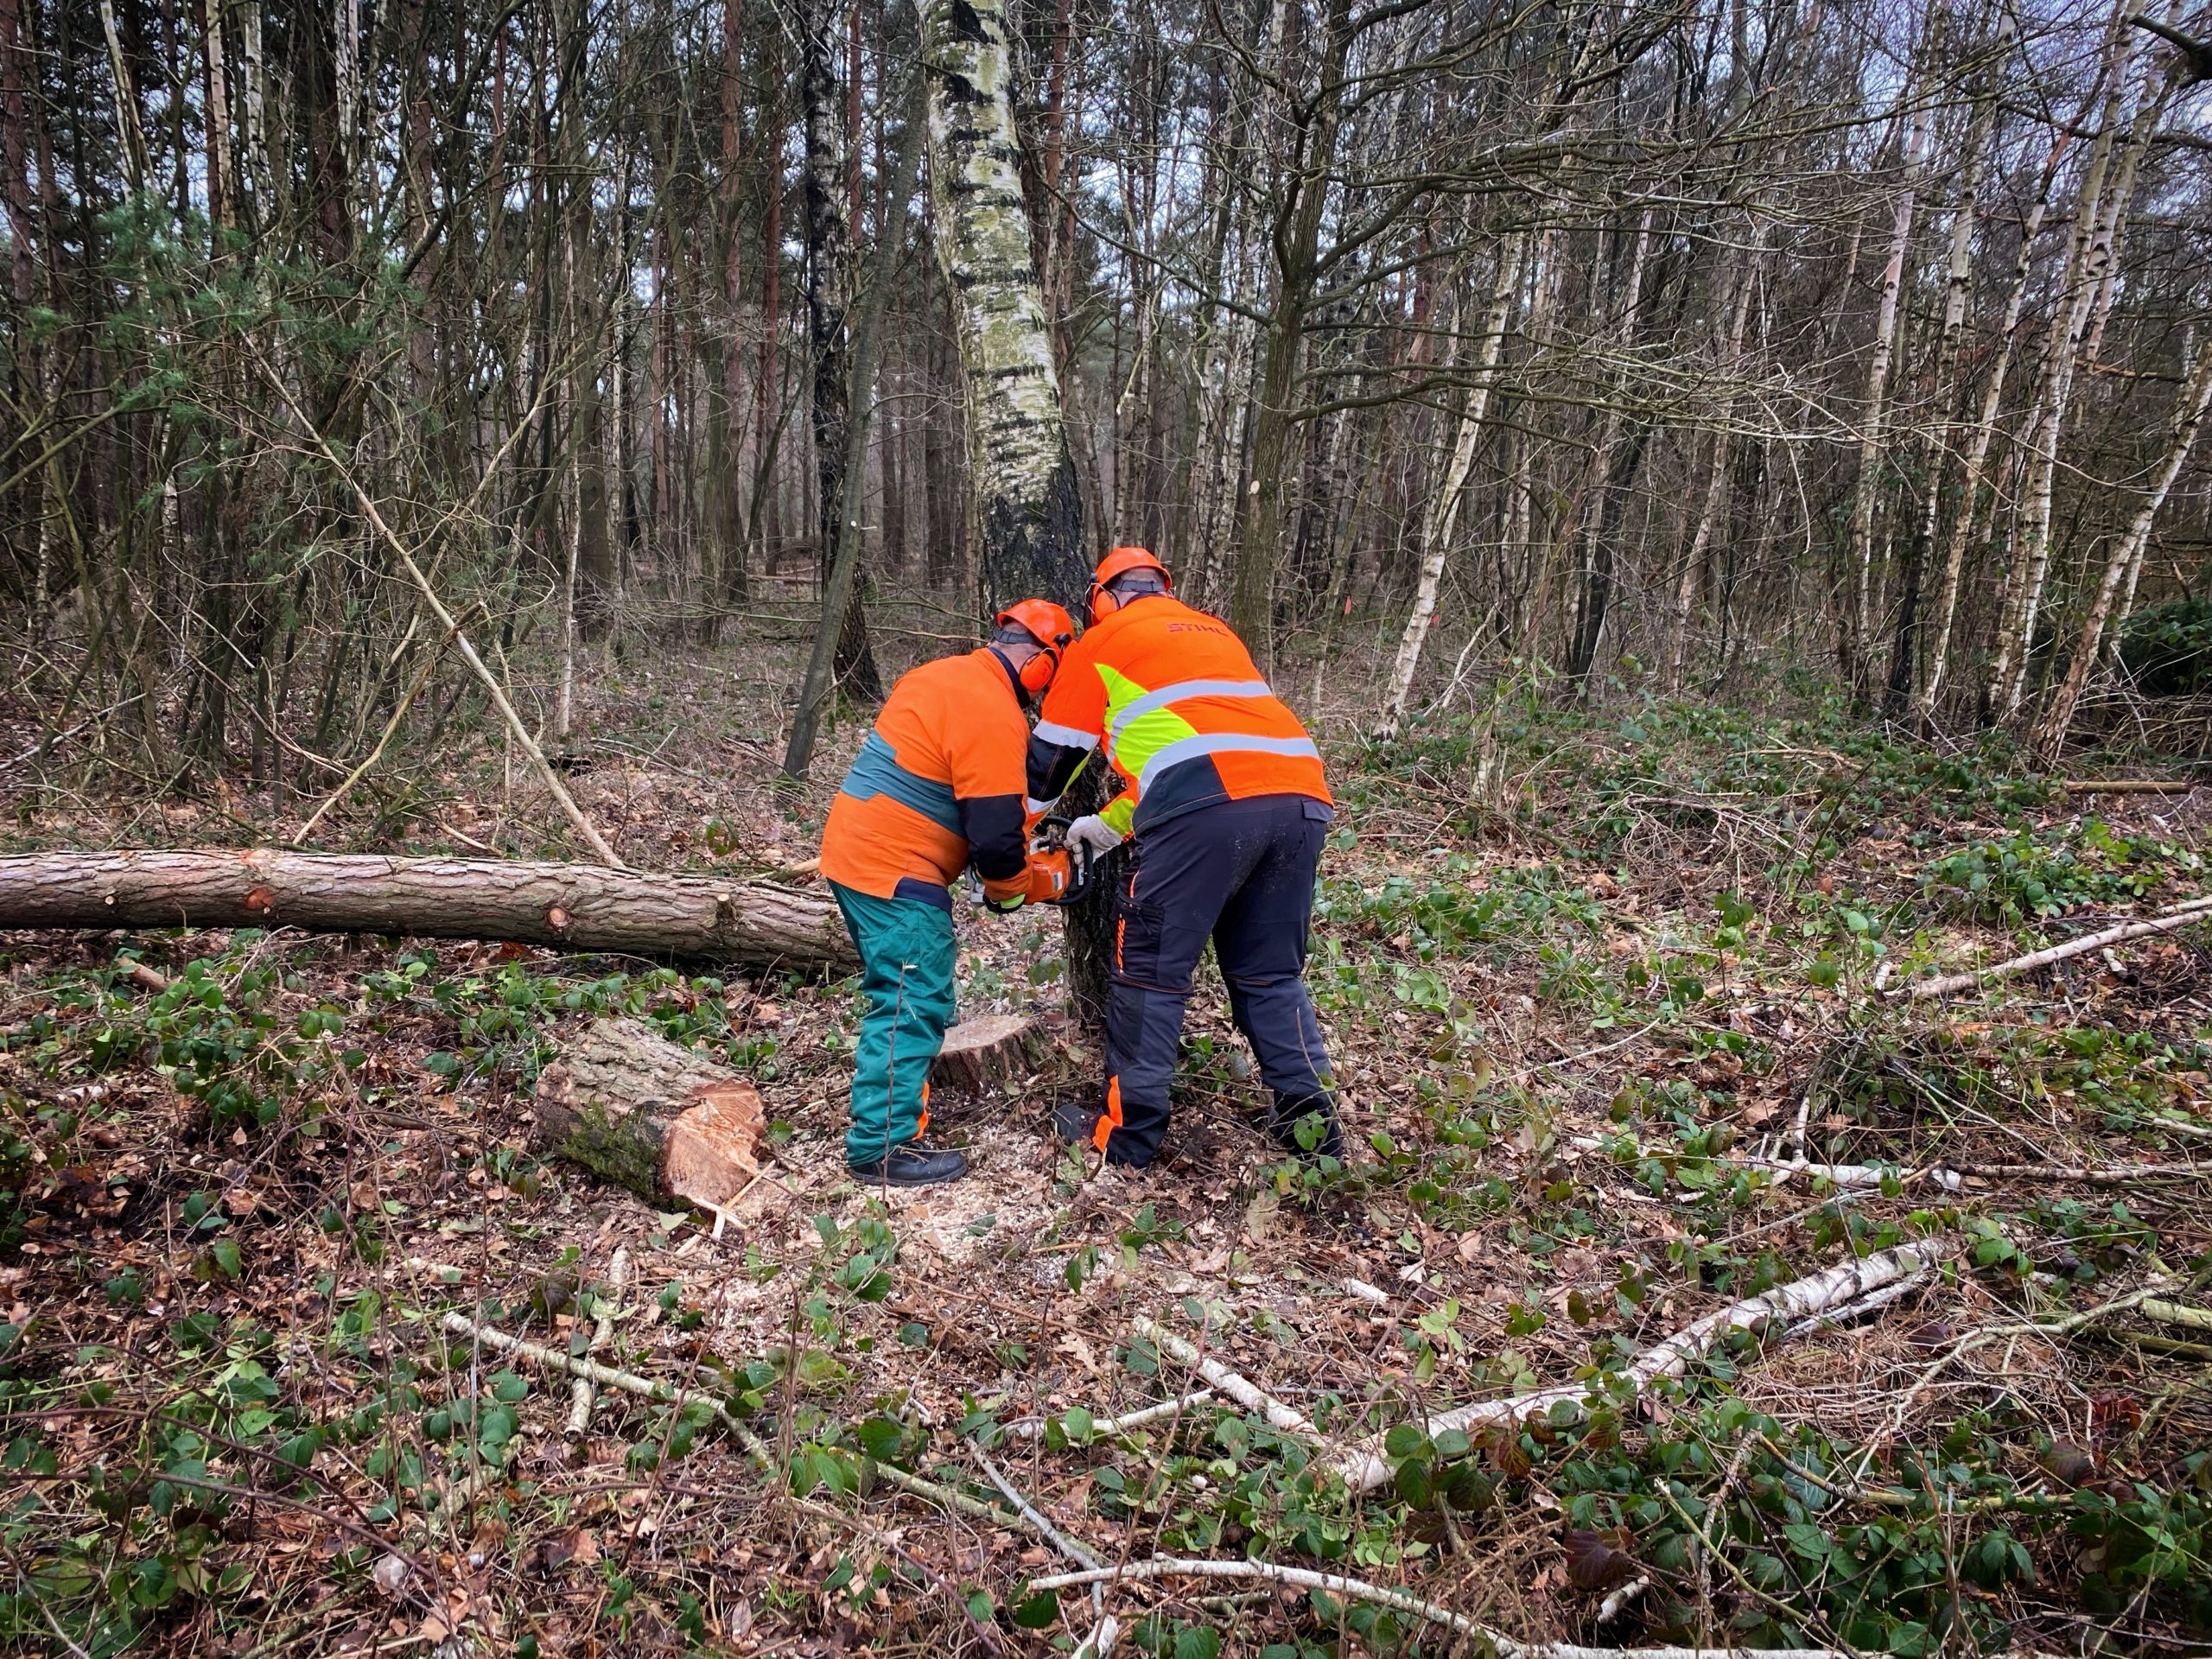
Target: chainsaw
[1049, 835]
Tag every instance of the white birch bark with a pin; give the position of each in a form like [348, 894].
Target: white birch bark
[1025, 480]
[1866, 497]
[252, 97]
[1977, 461]
[1957, 286]
[221, 181]
[1716, 487]
[1443, 514]
[2126, 555]
[2085, 265]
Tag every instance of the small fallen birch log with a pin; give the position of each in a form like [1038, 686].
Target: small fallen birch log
[2176, 918]
[1228, 1381]
[1336, 1583]
[1368, 1468]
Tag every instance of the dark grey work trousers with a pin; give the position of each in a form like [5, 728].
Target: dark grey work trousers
[1240, 873]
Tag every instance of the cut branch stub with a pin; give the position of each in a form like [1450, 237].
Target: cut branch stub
[650, 1115]
[981, 1054]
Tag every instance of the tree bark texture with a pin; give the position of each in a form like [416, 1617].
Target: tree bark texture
[1027, 500]
[650, 1115]
[572, 906]
[992, 1049]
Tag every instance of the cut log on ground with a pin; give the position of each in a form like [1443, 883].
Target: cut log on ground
[650, 1115]
[571, 907]
[982, 1053]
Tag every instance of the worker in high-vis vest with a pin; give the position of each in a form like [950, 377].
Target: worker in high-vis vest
[937, 787]
[1226, 809]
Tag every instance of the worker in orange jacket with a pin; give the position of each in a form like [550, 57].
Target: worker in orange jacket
[937, 787]
[1226, 802]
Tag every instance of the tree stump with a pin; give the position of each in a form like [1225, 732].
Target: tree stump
[651, 1116]
[982, 1053]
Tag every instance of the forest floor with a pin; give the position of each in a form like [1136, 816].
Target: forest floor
[1593, 979]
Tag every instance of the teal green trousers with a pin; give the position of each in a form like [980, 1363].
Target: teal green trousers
[906, 961]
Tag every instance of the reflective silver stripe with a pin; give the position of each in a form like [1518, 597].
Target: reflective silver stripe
[1066, 737]
[1191, 748]
[1032, 806]
[1182, 692]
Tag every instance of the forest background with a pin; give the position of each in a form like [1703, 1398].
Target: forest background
[1721, 481]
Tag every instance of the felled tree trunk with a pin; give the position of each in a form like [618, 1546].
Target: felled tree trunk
[651, 1116]
[574, 906]
[980, 1054]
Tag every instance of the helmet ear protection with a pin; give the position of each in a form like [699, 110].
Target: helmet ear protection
[1052, 628]
[1102, 599]
[1038, 673]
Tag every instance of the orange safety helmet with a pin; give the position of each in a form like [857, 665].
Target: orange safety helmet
[1050, 628]
[1117, 563]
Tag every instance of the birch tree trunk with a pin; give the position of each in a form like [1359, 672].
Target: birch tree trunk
[1716, 485]
[1027, 501]
[1866, 497]
[1595, 564]
[1977, 461]
[1027, 504]
[2088, 643]
[2077, 298]
[1443, 514]
[1958, 286]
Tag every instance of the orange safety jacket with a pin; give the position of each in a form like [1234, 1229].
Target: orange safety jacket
[937, 785]
[1184, 714]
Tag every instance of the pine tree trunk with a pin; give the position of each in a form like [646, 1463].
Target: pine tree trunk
[572, 906]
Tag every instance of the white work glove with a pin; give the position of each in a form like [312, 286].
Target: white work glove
[1094, 834]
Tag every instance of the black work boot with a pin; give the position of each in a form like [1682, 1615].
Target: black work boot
[912, 1165]
[1076, 1120]
[1287, 1113]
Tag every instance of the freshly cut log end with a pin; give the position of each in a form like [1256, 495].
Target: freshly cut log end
[654, 1117]
[574, 906]
[981, 1054]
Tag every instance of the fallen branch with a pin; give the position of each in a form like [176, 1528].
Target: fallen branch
[1846, 1282]
[1284, 1417]
[2128, 786]
[581, 1391]
[2176, 918]
[517, 727]
[1170, 1566]
[760, 1451]
[2166, 1313]
[1034, 1429]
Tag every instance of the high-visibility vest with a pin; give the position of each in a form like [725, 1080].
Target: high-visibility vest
[1183, 716]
